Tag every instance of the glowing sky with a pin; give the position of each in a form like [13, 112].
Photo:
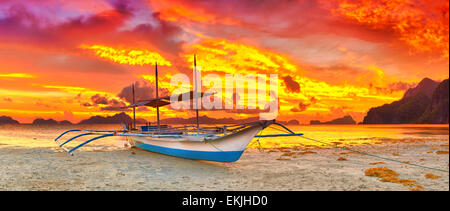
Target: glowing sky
[74, 59]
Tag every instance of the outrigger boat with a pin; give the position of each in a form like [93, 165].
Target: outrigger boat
[221, 144]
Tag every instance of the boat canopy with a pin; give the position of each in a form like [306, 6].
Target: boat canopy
[163, 101]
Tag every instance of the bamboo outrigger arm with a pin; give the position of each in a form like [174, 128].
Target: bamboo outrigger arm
[102, 133]
[69, 140]
[56, 140]
[107, 133]
[86, 142]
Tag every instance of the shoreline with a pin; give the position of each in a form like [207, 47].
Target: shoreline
[297, 168]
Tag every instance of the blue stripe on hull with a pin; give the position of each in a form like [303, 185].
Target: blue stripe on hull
[219, 156]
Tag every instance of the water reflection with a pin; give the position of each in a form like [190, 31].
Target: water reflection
[43, 136]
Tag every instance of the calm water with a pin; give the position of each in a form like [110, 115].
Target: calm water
[356, 134]
[42, 136]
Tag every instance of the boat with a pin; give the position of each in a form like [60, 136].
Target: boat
[210, 143]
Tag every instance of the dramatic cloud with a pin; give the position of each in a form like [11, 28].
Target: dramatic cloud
[233, 57]
[301, 107]
[143, 90]
[190, 11]
[401, 86]
[32, 24]
[105, 102]
[422, 24]
[340, 56]
[87, 104]
[16, 75]
[291, 85]
[97, 99]
[128, 56]
[163, 35]
[19, 23]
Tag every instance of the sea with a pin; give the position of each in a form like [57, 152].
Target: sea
[42, 136]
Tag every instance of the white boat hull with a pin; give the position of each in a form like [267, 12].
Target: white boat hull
[228, 148]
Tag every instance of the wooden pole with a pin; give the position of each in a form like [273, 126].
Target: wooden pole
[196, 93]
[134, 110]
[157, 107]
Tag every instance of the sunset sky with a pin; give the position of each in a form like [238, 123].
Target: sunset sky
[69, 60]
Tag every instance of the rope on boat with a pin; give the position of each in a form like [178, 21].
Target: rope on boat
[259, 144]
[208, 141]
[365, 153]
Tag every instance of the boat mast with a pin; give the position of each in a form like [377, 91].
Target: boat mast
[134, 110]
[157, 107]
[196, 92]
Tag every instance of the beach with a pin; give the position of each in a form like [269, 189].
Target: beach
[300, 167]
[293, 95]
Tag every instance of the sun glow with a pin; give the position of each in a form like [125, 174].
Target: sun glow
[231, 57]
[128, 56]
[16, 75]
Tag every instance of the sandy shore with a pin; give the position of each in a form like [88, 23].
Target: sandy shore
[275, 169]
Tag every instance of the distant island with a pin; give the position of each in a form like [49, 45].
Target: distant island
[116, 119]
[427, 103]
[123, 117]
[207, 120]
[346, 120]
[292, 122]
[8, 120]
[214, 121]
[40, 121]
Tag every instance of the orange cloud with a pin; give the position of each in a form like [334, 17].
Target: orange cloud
[232, 57]
[179, 11]
[16, 75]
[349, 54]
[304, 95]
[128, 56]
[422, 24]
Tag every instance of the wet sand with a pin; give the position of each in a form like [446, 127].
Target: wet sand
[296, 168]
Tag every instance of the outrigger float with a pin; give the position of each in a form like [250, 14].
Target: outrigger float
[221, 144]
